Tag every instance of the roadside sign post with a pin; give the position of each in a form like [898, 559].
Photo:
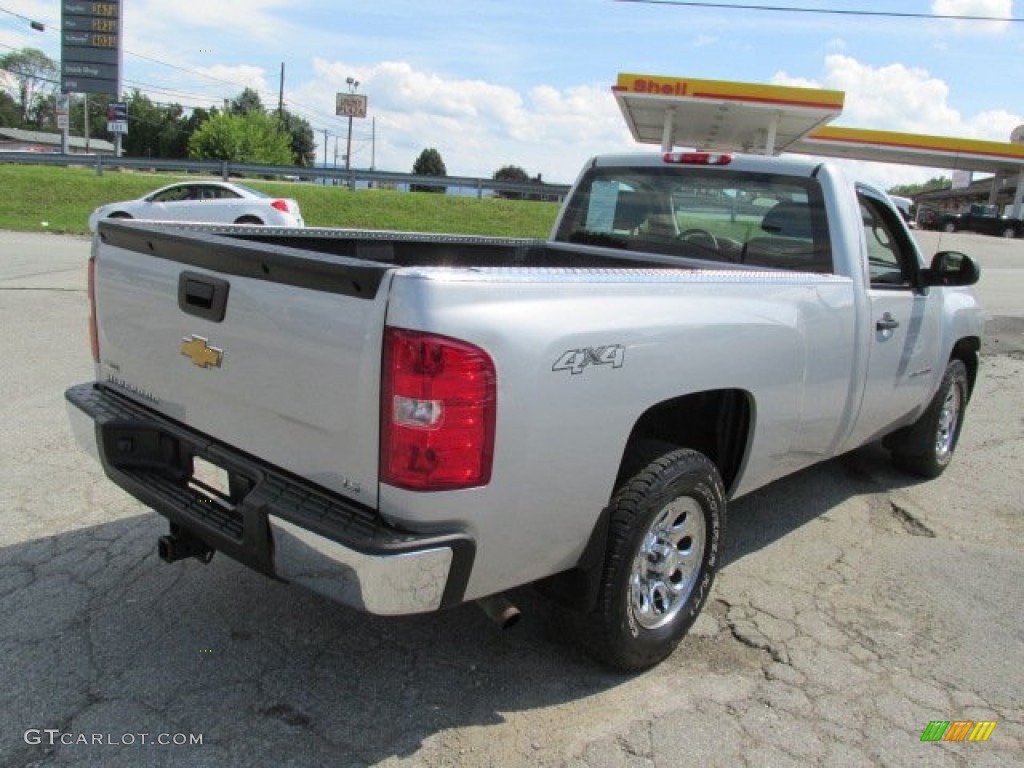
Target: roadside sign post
[117, 123]
[91, 49]
[350, 105]
[63, 119]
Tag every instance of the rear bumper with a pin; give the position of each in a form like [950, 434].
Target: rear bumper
[270, 520]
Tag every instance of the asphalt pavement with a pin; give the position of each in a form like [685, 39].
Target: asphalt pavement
[855, 607]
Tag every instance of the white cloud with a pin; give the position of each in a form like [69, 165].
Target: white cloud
[476, 126]
[997, 9]
[900, 98]
[244, 75]
[253, 20]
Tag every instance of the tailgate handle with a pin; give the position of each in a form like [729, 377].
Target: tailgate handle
[203, 296]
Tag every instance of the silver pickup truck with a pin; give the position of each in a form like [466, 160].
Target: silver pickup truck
[408, 422]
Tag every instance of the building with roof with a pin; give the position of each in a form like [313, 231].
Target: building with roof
[20, 140]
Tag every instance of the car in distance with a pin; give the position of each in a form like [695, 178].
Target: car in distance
[215, 202]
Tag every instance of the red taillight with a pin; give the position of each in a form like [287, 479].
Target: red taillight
[281, 205]
[438, 403]
[94, 338]
[696, 158]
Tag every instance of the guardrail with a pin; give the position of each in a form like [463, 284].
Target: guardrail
[351, 178]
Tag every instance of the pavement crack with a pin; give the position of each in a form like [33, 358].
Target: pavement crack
[287, 714]
[908, 522]
[748, 634]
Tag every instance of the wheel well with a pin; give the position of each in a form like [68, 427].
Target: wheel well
[716, 423]
[966, 350]
[248, 219]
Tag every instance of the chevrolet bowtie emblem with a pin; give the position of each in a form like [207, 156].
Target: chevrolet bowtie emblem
[198, 350]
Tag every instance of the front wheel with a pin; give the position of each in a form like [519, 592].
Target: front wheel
[1009, 233]
[666, 526]
[949, 227]
[926, 447]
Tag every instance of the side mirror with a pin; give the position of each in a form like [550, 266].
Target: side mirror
[951, 268]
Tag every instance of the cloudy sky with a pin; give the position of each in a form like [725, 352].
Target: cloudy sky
[527, 82]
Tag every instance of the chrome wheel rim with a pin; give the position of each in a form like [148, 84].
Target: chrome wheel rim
[949, 419]
[667, 563]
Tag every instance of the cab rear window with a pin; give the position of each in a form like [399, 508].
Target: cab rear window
[757, 219]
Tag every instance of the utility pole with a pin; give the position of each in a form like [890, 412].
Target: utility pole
[280, 95]
[352, 85]
[325, 147]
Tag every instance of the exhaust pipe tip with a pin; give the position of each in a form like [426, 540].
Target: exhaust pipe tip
[500, 610]
[181, 546]
[164, 548]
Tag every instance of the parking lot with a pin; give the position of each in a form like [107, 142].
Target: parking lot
[855, 606]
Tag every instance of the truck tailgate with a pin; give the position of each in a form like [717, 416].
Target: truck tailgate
[271, 349]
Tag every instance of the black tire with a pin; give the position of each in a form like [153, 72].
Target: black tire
[926, 447]
[249, 220]
[666, 525]
[1009, 233]
[949, 227]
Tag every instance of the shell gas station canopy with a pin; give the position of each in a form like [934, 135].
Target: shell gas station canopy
[771, 119]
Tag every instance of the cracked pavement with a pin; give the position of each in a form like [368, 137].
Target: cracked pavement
[855, 605]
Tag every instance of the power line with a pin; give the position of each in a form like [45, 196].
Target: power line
[38, 26]
[828, 11]
[312, 115]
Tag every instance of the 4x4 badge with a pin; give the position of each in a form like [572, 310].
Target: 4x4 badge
[198, 350]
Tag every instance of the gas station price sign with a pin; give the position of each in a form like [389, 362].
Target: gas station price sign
[91, 47]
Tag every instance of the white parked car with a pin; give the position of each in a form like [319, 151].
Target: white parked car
[215, 202]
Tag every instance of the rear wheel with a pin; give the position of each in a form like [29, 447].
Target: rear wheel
[949, 227]
[926, 447]
[249, 220]
[665, 529]
[1009, 233]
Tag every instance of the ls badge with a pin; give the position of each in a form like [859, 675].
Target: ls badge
[198, 350]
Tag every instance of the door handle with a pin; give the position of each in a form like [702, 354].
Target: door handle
[203, 296]
[887, 323]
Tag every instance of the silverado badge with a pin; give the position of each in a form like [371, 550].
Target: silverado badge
[198, 350]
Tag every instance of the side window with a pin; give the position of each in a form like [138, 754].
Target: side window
[174, 194]
[891, 259]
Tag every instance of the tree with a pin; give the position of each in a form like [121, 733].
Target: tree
[300, 134]
[155, 130]
[35, 76]
[246, 103]
[97, 105]
[10, 114]
[192, 123]
[250, 138]
[511, 173]
[909, 190]
[429, 163]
